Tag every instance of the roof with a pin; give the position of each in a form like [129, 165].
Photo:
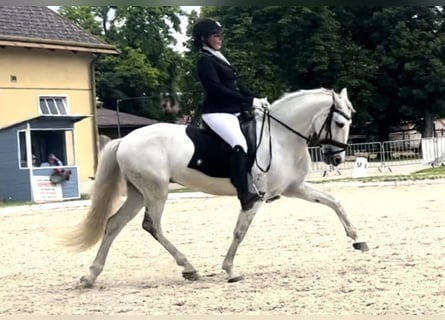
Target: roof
[72, 118]
[108, 118]
[39, 26]
[439, 123]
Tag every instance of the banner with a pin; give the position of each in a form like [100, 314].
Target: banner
[45, 191]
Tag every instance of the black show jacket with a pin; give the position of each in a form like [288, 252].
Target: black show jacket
[220, 82]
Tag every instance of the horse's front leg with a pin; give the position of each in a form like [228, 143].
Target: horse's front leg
[310, 193]
[242, 225]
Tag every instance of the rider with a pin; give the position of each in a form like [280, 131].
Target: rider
[224, 100]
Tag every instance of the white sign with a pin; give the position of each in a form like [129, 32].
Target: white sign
[44, 191]
[360, 168]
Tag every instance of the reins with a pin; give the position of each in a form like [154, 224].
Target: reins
[268, 116]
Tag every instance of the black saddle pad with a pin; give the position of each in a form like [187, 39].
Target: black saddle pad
[211, 155]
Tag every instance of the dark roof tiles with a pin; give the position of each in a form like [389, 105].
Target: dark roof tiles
[108, 118]
[40, 24]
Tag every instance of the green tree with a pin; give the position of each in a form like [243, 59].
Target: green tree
[406, 46]
[390, 58]
[147, 64]
[280, 49]
[85, 17]
[190, 88]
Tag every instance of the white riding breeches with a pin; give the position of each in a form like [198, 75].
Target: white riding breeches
[227, 126]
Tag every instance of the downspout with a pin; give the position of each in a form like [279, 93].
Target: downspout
[93, 104]
[29, 159]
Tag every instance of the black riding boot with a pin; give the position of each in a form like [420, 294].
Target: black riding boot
[239, 176]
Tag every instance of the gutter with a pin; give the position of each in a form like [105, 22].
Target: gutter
[43, 41]
[94, 111]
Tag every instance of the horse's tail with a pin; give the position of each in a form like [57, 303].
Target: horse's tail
[106, 193]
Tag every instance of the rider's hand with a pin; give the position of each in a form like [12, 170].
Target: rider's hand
[266, 104]
[261, 104]
[256, 104]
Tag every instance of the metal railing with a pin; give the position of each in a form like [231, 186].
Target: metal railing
[385, 155]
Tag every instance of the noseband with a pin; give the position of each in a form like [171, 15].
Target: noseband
[318, 142]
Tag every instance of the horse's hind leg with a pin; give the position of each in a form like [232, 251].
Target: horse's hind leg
[310, 193]
[152, 224]
[115, 224]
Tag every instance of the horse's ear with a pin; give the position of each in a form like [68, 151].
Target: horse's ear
[344, 95]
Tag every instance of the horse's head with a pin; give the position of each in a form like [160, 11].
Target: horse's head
[319, 115]
[332, 128]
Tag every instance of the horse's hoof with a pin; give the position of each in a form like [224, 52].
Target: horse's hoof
[191, 275]
[85, 283]
[362, 246]
[235, 279]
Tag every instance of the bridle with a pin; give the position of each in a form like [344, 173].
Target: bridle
[314, 139]
[327, 125]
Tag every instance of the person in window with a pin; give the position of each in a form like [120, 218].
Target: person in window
[53, 160]
[34, 161]
[224, 99]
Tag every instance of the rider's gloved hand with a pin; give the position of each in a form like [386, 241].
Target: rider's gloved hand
[256, 104]
[261, 104]
[266, 104]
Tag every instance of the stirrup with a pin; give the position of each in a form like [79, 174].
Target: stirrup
[247, 204]
[258, 191]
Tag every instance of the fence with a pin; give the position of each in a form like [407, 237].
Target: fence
[385, 155]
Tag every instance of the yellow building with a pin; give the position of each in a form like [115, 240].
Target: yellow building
[47, 100]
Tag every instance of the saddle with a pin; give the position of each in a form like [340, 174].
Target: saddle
[211, 155]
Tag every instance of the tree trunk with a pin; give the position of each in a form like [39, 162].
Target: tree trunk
[428, 124]
[383, 131]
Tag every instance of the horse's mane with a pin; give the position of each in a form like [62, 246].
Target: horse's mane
[302, 92]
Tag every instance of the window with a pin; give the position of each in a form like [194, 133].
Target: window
[46, 142]
[52, 106]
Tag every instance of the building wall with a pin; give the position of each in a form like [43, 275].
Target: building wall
[14, 183]
[49, 72]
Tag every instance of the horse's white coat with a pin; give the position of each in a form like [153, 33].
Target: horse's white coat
[149, 158]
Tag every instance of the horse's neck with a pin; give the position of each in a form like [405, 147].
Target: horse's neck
[288, 147]
[298, 111]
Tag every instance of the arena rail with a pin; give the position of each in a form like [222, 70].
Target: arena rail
[383, 156]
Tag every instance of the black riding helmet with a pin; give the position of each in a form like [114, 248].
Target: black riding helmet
[204, 28]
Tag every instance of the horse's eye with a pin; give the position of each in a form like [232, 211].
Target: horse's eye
[339, 124]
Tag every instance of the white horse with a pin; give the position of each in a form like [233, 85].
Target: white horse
[149, 158]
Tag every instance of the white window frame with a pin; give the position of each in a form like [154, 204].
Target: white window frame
[69, 161]
[57, 108]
